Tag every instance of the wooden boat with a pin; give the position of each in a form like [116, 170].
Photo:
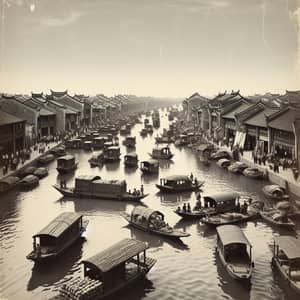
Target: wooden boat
[286, 259]
[97, 159]
[98, 142]
[87, 186]
[8, 183]
[66, 164]
[220, 154]
[125, 130]
[112, 154]
[253, 173]
[29, 181]
[232, 247]
[182, 140]
[150, 166]
[277, 218]
[130, 141]
[58, 151]
[87, 145]
[205, 149]
[110, 271]
[57, 236]
[73, 143]
[223, 163]
[131, 160]
[161, 153]
[237, 167]
[143, 132]
[213, 204]
[45, 159]
[27, 171]
[41, 172]
[275, 192]
[152, 221]
[178, 183]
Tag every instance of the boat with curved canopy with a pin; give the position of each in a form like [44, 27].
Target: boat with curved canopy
[8, 183]
[41, 172]
[223, 163]
[220, 154]
[178, 183]
[89, 186]
[253, 173]
[161, 153]
[278, 218]
[112, 154]
[213, 204]
[108, 272]
[46, 158]
[130, 141]
[152, 221]
[275, 192]
[237, 167]
[286, 259]
[131, 160]
[150, 166]
[57, 236]
[235, 252]
[29, 181]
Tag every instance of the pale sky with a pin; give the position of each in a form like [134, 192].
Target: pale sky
[150, 47]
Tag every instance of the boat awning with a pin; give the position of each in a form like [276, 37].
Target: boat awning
[66, 157]
[133, 155]
[61, 223]
[222, 197]
[274, 188]
[178, 178]
[231, 234]
[145, 212]
[289, 245]
[115, 255]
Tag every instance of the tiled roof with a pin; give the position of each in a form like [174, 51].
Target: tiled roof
[283, 119]
[6, 118]
[231, 114]
[259, 119]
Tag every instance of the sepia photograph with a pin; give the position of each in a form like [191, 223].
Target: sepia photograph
[149, 149]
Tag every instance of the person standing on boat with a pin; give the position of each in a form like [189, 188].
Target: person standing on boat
[184, 207]
[188, 207]
[142, 189]
[192, 176]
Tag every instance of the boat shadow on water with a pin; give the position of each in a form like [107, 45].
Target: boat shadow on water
[155, 241]
[48, 274]
[175, 198]
[149, 178]
[236, 290]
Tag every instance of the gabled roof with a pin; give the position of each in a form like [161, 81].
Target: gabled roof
[236, 109]
[116, 255]
[283, 119]
[259, 118]
[6, 118]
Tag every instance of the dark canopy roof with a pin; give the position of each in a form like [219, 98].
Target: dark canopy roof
[223, 196]
[116, 254]
[151, 162]
[57, 226]
[177, 178]
[231, 234]
[145, 212]
[289, 245]
[66, 157]
[132, 154]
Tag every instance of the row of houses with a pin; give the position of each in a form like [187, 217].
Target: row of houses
[267, 123]
[31, 117]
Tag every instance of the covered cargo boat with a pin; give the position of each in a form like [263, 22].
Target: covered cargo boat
[150, 166]
[161, 153]
[131, 160]
[94, 187]
[66, 164]
[8, 183]
[112, 154]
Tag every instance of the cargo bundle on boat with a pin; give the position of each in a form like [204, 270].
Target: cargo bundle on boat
[29, 181]
[57, 236]
[130, 141]
[8, 183]
[108, 272]
[150, 220]
[150, 166]
[94, 187]
[213, 204]
[235, 252]
[97, 159]
[286, 259]
[66, 164]
[45, 159]
[178, 183]
[112, 153]
[161, 153]
[275, 192]
[131, 160]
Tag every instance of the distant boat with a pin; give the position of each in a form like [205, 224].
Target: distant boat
[150, 220]
[223, 163]
[66, 164]
[161, 153]
[29, 181]
[150, 166]
[130, 141]
[275, 192]
[237, 167]
[97, 159]
[57, 236]
[232, 247]
[131, 160]
[45, 159]
[8, 183]
[277, 218]
[253, 173]
[41, 172]
[112, 154]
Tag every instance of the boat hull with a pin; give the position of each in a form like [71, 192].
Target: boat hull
[289, 225]
[68, 192]
[168, 189]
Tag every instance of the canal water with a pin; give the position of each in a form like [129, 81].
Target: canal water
[184, 270]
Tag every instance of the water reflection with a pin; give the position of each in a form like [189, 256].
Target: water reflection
[175, 199]
[112, 166]
[48, 274]
[149, 178]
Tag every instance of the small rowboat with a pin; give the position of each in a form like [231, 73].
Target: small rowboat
[29, 181]
[41, 172]
[161, 153]
[45, 159]
[150, 220]
[253, 173]
[223, 163]
[275, 217]
[275, 192]
[8, 183]
[237, 167]
[220, 154]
